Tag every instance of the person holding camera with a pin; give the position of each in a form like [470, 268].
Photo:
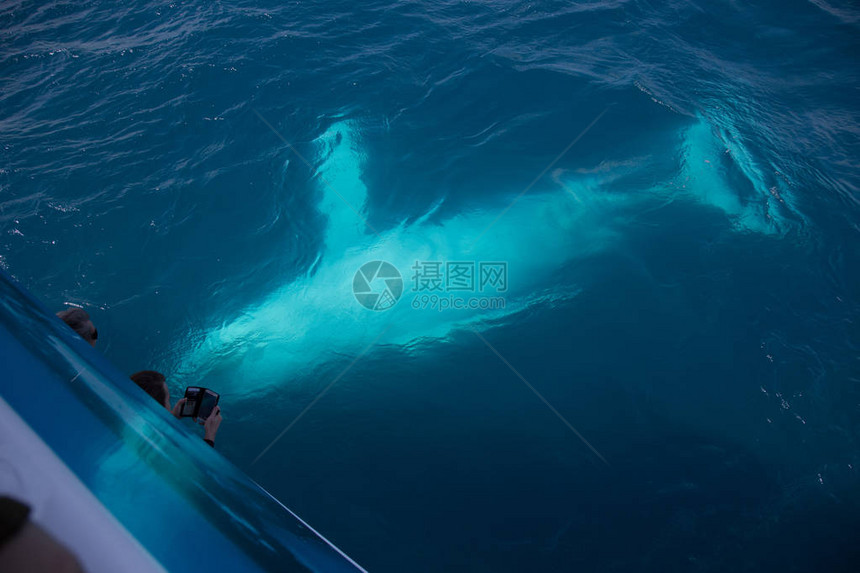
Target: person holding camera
[155, 384]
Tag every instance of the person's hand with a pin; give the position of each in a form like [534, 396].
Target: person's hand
[177, 409]
[212, 423]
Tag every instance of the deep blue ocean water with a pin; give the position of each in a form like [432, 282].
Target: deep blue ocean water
[683, 272]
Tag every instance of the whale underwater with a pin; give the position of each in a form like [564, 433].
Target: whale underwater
[570, 215]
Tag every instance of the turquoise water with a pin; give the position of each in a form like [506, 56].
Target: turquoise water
[673, 191]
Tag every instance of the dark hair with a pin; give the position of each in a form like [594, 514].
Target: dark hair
[79, 321]
[152, 382]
